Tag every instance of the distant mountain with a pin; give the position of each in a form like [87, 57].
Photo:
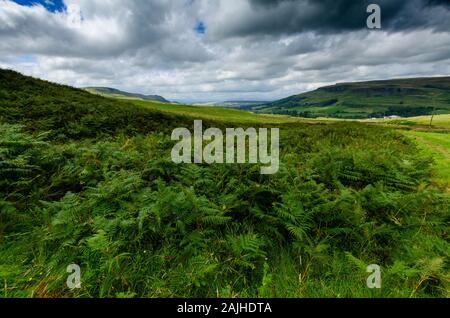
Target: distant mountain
[399, 97]
[112, 92]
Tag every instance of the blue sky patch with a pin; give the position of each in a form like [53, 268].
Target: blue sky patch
[26, 59]
[200, 28]
[50, 5]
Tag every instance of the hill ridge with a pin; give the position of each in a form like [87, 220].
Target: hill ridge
[404, 97]
[114, 92]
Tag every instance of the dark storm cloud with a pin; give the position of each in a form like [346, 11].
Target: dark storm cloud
[438, 2]
[281, 17]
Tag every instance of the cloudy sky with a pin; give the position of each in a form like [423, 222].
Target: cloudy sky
[212, 50]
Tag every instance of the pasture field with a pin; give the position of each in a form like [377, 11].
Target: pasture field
[439, 121]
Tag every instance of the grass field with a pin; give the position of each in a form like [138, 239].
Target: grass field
[439, 121]
[216, 113]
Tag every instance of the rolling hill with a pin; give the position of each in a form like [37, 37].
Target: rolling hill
[66, 112]
[112, 92]
[401, 97]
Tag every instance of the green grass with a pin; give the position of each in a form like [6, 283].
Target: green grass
[436, 145]
[215, 113]
[439, 121]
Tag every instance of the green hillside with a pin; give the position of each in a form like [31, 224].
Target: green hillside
[216, 113]
[112, 92]
[403, 97]
[89, 180]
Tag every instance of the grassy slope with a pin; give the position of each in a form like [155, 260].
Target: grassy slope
[100, 190]
[407, 97]
[234, 104]
[216, 113]
[114, 93]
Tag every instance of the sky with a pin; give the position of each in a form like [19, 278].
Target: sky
[222, 50]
